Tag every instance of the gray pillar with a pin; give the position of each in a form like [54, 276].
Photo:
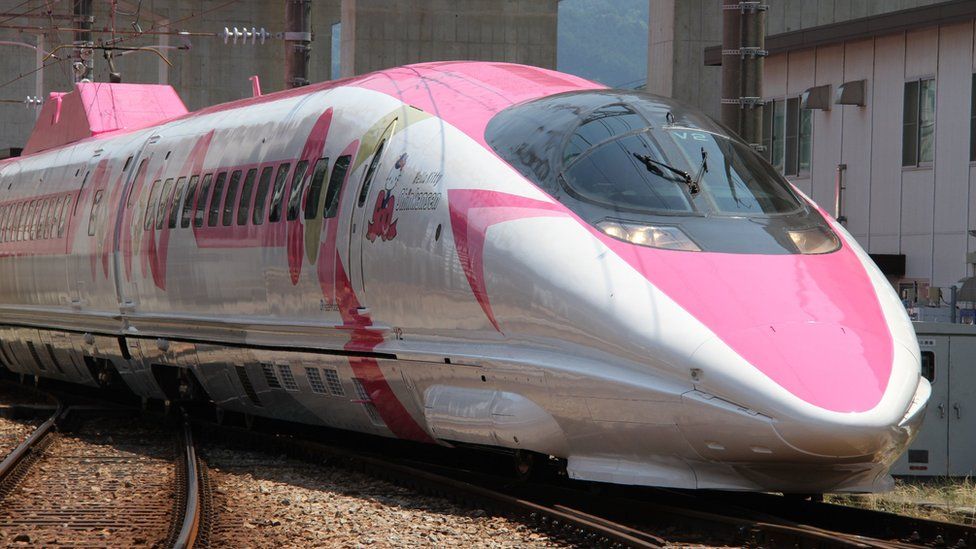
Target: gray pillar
[731, 64]
[298, 39]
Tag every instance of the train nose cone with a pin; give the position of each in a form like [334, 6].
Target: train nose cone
[827, 365]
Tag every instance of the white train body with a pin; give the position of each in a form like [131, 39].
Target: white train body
[446, 297]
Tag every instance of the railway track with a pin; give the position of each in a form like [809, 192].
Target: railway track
[630, 517]
[110, 482]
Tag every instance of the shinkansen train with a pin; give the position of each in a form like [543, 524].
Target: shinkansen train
[461, 253]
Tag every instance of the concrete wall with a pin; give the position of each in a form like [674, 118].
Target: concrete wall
[680, 30]
[378, 34]
[208, 73]
[922, 212]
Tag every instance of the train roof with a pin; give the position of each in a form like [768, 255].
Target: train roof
[466, 94]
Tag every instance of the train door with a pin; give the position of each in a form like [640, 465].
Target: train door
[961, 406]
[135, 177]
[80, 279]
[928, 453]
[367, 212]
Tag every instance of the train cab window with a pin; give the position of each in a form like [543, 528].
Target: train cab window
[191, 193]
[151, 204]
[295, 198]
[370, 172]
[174, 210]
[165, 198]
[235, 181]
[246, 191]
[928, 365]
[93, 217]
[274, 213]
[64, 216]
[261, 197]
[202, 201]
[339, 172]
[218, 194]
[315, 188]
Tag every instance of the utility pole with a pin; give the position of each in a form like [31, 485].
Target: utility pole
[298, 40]
[743, 55]
[84, 66]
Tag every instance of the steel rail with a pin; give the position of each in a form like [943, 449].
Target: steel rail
[192, 511]
[27, 448]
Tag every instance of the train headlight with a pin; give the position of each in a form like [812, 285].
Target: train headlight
[816, 240]
[654, 236]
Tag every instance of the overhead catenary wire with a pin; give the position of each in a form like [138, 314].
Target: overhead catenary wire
[14, 9]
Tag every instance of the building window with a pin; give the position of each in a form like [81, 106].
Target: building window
[918, 129]
[788, 136]
[972, 121]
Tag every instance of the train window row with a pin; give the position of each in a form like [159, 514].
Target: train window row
[250, 197]
[35, 219]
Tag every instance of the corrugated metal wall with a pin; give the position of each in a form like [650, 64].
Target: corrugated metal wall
[922, 212]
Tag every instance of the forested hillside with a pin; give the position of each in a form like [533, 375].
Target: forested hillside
[604, 40]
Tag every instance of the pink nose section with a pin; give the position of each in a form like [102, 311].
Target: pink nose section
[825, 364]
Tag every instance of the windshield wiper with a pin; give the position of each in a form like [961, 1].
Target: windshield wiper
[696, 185]
[656, 165]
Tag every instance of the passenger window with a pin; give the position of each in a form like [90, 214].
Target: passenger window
[55, 216]
[235, 181]
[315, 188]
[370, 172]
[18, 222]
[128, 161]
[279, 193]
[165, 198]
[262, 195]
[151, 204]
[202, 201]
[64, 216]
[295, 198]
[24, 216]
[31, 216]
[174, 211]
[45, 229]
[339, 172]
[928, 365]
[96, 201]
[3, 224]
[246, 191]
[39, 219]
[191, 193]
[218, 194]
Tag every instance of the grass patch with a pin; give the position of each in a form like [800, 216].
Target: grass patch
[950, 500]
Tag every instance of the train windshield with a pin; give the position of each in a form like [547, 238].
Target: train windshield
[617, 158]
[623, 159]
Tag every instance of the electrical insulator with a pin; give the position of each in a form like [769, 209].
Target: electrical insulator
[245, 35]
